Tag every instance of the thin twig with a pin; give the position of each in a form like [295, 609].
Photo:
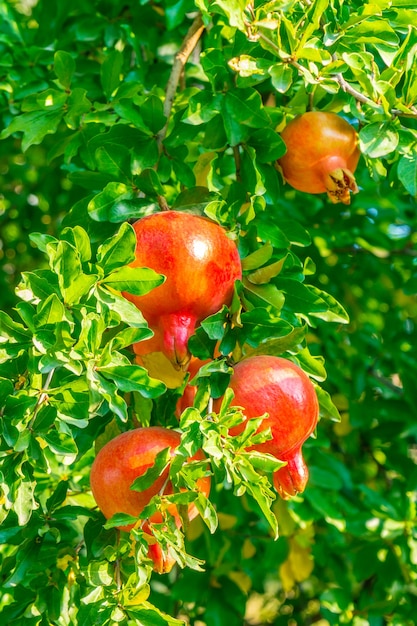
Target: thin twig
[42, 397]
[191, 39]
[345, 86]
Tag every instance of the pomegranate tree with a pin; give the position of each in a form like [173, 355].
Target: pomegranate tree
[120, 462]
[201, 265]
[322, 154]
[276, 386]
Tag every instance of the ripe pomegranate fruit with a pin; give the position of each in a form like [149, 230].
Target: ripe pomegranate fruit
[274, 385]
[200, 264]
[120, 462]
[322, 154]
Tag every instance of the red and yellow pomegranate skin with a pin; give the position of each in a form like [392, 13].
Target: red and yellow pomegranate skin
[322, 154]
[201, 265]
[276, 386]
[120, 462]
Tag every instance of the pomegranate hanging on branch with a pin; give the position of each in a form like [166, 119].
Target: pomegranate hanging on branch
[322, 155]
[200, 263]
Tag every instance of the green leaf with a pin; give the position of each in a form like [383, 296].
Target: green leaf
[214, 324]
[114, 160]
[202, 107]
[77, 105]
[150, 615]
[111, 72]
[66, 262]
[268, 145]
[207, 511]
[127, 311]
[24, 499]
[152, 112]
[41, 240]
[102, 207]
[38, 285]
[234, 10]
[263, 462]
[61, 444]
[13, 331]
[118, 250]
[281, 77]
[313, 15]
[64, 67]
[154, 472]
[335, 311]
[34, 125]
[51, 311]
[58, 497]
[373, 31]
[100, 573]
[129, 378]
[264, 274]
[407, 173]
[258, 258]
[327, 407]
[6, 389]
[243, 108]
[129, 336]
[79, 238]
[268, 294]
[378, 139]
[149, 182]
[135, 280]
[288, 342]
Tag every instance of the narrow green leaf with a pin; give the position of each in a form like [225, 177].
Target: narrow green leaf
[152, 112]
[335, 311]
[129, 378]
[129, 336]
[327, 407]
[154, 472]
[12, 331]
[264, 274]
[24, 500]
[111, 72]
[258, 258]
[118, 250]
[269, 294]
[41, 240]
[6, 389]
[134, 280]
[64, 67]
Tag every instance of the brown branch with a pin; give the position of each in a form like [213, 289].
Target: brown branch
[347, 88]
[191, 39]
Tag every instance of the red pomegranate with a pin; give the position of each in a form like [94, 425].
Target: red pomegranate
[274, 385]
[120, 462]
[322, 154]
[201, 265]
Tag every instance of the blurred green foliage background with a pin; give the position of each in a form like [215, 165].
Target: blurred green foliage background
[347, 552]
